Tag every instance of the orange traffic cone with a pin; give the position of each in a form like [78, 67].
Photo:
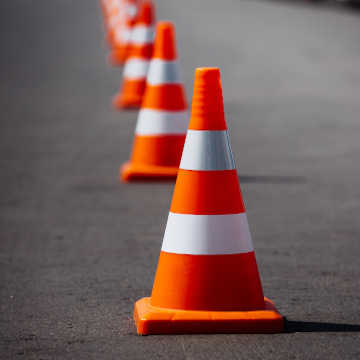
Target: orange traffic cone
[107, 6]
[114, 15]
[162, 122]
[136, 66]
[120, 35]
[207, 279]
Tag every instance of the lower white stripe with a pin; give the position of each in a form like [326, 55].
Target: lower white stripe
[163, 72]
[207, 234]
[136, 68]
[142, 35]
[122, 35]
[155, 122]
[207, 150]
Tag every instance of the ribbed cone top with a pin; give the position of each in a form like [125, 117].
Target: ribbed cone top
[207, 111]
[146, 14]
[165, 43]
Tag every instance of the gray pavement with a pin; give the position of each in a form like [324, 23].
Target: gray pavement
[77, 248]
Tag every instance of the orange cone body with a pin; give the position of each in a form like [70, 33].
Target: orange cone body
[120, 36]
[162, 121]
[207, 279]
[137, 64]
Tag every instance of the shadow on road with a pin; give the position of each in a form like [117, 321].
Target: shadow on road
[268, 179]
[310, 326]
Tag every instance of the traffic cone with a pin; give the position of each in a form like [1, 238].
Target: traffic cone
[162, 121]
[108, 6]
[114, 15]
[120, 36]
[137, 64]
[207, 279]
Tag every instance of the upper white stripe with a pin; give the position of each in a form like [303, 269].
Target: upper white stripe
[163, 72]
[142, 35]
[207, 150]
[153, 122]
[207, 234]
[136, 68]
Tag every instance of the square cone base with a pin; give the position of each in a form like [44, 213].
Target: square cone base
[154, 320]
[140, 172]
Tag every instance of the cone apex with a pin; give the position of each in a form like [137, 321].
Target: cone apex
[207, 108]
[146, 13]
[207, 74]
[165, 44]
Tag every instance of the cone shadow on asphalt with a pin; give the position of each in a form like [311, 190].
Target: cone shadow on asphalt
[268, 179]
[312, 326]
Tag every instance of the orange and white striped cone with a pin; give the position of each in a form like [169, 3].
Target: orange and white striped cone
[104, 6]
[108, 6]
[162, 121]
[207, 279]
[137, 64]
[121, 32]
[114, 15]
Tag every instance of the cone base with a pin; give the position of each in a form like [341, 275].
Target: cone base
[117, 56]
[121, 102]
[115, 60]
[154, 320]
[109, 39]
[139, 172]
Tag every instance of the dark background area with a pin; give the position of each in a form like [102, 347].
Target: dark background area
[77, 248]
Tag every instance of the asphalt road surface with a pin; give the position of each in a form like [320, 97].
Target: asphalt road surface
[77, 248]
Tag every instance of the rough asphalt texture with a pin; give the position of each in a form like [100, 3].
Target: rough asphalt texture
[77, 248]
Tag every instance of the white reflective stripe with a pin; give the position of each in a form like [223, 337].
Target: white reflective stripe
[154, 122]
[207, 234]
[127, 34]
[123, 34]
[131, 10]
[142, 35]
[163, 72]
[113, 5]
[114, 20]
[207, 150]
[136, 68]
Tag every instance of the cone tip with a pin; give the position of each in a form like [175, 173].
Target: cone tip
[164, 25]
[146, 13]
[207, 74]
[207, 107]
[165, 43]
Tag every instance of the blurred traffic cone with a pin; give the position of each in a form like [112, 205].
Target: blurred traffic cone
[207, 279]
[108, 6]
[120, 36]
[104, 5]
[114, 15]
[137, 64]
[162, 122]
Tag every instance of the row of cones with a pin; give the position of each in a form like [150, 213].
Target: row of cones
[207, 279]
[140, 51]
[120, 17]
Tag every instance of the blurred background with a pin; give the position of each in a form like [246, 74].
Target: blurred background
[77, 248]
